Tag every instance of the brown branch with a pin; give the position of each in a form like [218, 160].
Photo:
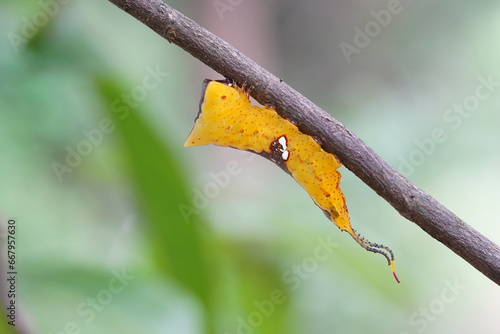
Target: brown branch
[410, 201]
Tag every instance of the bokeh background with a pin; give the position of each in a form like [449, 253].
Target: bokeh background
[120, 229]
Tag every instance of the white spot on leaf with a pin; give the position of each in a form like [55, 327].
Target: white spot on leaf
[285, 154]
[282, 141]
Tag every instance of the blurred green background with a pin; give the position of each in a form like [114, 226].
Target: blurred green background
[120, 229]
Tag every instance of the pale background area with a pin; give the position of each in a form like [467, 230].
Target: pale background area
[259, 225]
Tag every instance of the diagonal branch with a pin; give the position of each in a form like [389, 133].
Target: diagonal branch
[410, 201]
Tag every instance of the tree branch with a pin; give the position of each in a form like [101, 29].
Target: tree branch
[410, 201]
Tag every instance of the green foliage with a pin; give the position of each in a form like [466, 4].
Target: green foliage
[177, 244]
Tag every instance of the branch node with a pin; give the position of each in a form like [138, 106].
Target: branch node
[170, 34]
